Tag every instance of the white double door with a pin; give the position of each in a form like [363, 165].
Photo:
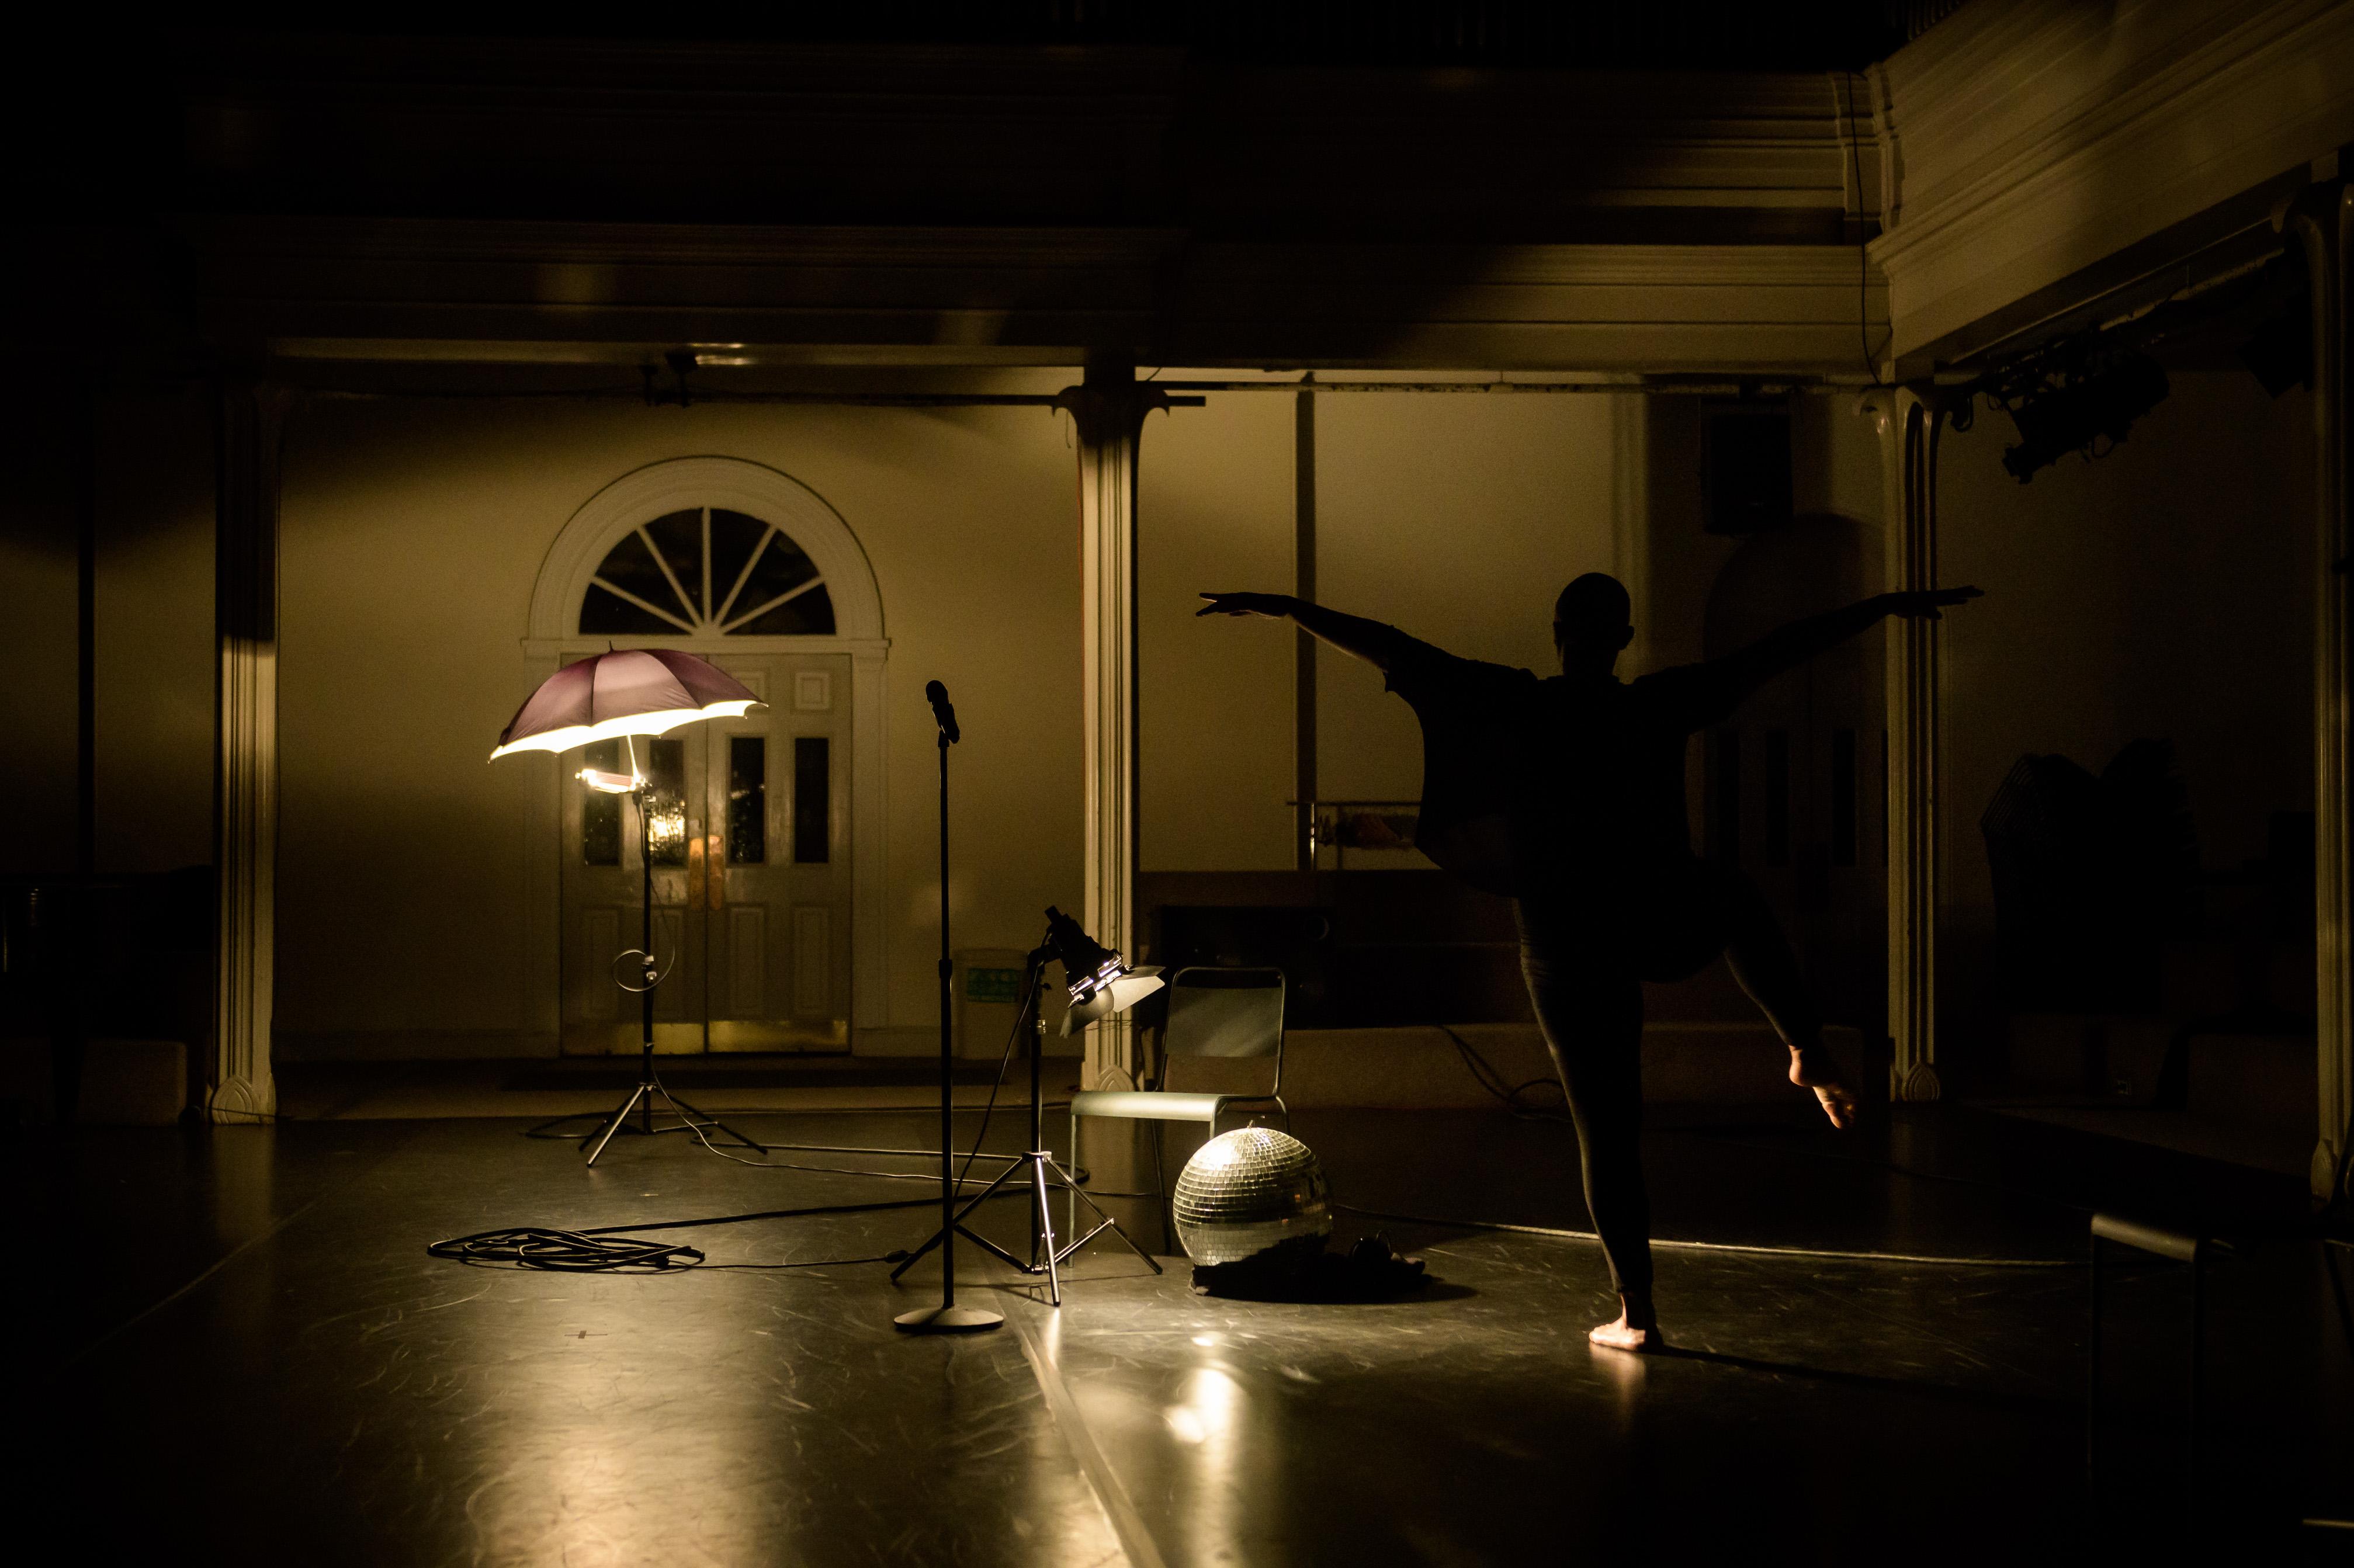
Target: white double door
[748, 821]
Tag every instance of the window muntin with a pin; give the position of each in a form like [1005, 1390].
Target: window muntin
[706, 572]
[600, 814]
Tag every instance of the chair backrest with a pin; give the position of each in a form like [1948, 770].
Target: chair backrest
[1229, 1012]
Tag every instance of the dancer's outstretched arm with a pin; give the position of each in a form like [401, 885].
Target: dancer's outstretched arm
[1377, 644]
[1739, 674]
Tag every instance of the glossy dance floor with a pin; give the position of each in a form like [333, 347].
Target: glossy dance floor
[238, 1350]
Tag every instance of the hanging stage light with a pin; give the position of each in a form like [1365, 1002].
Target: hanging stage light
[2074, 397]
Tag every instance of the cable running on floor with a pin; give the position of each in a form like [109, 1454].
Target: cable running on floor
[604, 1249]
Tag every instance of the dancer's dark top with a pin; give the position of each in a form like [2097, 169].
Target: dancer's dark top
[1574, 787]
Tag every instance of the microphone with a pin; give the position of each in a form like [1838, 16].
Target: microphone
[943, 710]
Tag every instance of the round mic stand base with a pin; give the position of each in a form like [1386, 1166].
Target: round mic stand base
[948, 1320]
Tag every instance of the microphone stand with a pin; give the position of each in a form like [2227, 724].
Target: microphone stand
[1043, 1171]
[947, 1318]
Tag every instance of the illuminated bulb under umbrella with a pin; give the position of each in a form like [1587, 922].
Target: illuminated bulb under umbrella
[639, 691]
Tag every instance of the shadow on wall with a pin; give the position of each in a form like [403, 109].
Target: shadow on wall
[1791, 788]
[2092, 876]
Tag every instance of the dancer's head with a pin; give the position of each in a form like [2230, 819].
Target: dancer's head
[1591, 622]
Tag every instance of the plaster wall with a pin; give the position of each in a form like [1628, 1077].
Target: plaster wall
[155, 654]
[37, 575]
[1216, 510]
[1456, 519]
[413, 532]
[2163, 590]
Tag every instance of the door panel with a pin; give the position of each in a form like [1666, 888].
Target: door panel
[780, 979]
[747, 939]
[812, 959]
[600, 939]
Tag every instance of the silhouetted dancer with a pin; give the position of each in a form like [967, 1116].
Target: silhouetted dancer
[1566, 795]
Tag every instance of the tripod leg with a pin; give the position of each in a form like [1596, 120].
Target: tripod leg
[614, 1126]
[910, 1261]
[1103, 1221]
[975, 1202]
[688, 1111]
[956, 1223]
[1042, 1240]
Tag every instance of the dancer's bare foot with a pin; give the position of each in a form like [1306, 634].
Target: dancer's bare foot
[1815, 1070]
[1636, 1329]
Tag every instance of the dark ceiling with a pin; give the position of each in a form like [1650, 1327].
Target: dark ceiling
[1795, 35]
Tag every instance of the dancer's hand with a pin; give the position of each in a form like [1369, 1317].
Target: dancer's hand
[1275, 606]
[1928, 604]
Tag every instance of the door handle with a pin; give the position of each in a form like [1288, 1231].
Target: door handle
[715, 864]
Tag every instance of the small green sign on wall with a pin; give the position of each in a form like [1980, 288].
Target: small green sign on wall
[992, 985]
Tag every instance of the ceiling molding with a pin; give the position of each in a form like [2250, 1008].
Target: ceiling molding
[380, 290]
[2039, 138]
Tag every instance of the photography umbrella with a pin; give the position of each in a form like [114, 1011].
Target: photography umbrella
[639, 691]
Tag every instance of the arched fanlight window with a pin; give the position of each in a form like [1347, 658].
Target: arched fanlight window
[706, 572]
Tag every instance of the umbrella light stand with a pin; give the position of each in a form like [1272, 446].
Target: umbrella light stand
[630, 693]
[649, 1087]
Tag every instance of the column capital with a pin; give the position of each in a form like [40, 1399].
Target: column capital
[1885, 405]
[1107, 411]
[2321, 208]
[1111, 404]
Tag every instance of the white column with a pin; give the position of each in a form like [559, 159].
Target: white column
[248, 428]
[1909, 419]
[2323, 219]
[1108, 408]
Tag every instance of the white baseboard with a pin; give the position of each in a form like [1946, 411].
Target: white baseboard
[925, 1041]
[410, 1045]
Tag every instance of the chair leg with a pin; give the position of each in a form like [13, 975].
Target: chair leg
[1163, 1201]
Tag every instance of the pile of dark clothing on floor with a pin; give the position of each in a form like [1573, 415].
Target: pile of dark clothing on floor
[1304, 1270]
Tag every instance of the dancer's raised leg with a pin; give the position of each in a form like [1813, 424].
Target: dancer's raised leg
[1761, 959]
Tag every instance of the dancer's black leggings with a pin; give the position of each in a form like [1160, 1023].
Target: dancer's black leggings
[1585, 969]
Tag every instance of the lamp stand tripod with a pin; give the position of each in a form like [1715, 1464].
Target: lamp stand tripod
[641, 1098]
[1043, 1171]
